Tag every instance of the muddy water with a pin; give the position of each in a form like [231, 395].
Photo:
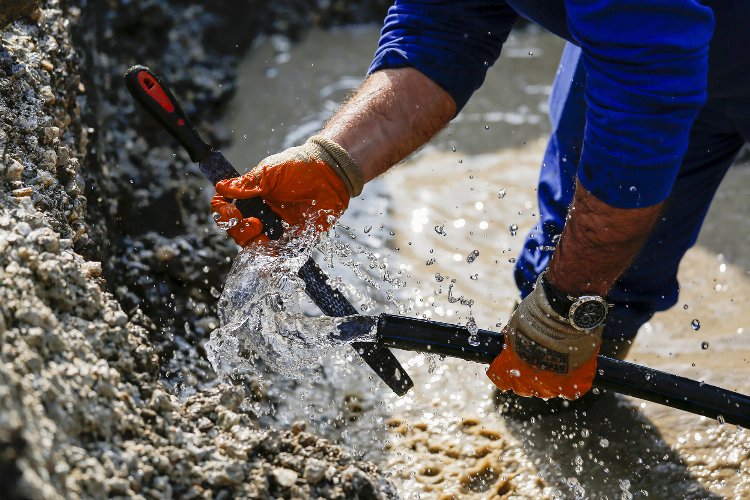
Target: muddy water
[410, 237]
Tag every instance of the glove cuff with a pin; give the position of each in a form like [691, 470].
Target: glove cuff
[342, 163]
[538, 323]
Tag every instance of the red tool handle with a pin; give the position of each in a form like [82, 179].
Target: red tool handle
[157, 99]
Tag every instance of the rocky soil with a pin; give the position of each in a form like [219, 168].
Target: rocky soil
[109, 264]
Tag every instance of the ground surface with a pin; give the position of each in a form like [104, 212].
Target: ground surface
[101, 254]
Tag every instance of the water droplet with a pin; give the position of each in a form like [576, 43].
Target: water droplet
[472, 256]
[704, 345]
[685, 307]
[501, 194]
[313, 202]
[431, 363]
[696, 324]
[440, 230]
[513, 228]
[215, 293]
[604, 442]
[430, 262]
[474, 277]
[227, 225]
[585, 433]
[514, 373]
[578, 462]
[512, 260]
[368, 229]
[471, 326]
[439, 277]
[486, 127]
[721, 419]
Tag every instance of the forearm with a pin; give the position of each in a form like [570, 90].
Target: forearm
[392, 114]
[598, 244]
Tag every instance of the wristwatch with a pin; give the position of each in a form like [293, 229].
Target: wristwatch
[584, 312]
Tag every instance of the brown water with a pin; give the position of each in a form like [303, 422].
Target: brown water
[446, 438]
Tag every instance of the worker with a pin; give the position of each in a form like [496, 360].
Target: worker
[649, 108]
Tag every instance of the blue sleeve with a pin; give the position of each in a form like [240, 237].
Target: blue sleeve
[451, 42]
[646, 65]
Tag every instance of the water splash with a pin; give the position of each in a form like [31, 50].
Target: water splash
[262, 322]
[224, 225]
[471, 326]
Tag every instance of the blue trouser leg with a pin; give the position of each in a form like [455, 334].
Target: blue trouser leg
[650, 283]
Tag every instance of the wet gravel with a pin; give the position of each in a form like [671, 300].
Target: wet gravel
[109, 266]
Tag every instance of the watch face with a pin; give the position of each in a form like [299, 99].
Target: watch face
[588, 312]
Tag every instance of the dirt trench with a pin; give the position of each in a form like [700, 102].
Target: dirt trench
[109, 264]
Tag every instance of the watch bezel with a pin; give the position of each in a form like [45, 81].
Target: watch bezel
[585, 299]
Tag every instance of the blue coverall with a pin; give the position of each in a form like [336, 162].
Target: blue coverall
[638, 114]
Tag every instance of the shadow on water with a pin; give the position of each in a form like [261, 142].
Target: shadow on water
[604, 448]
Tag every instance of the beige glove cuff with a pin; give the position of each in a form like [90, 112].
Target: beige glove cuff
[537, 321]
[339, 160]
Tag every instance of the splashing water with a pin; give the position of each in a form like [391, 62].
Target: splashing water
[262, 322]
[471, 326]
[224, 225]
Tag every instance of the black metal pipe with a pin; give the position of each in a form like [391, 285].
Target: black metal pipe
[413, 334]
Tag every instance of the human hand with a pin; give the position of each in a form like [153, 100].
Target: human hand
[307, 186]
[544, 355]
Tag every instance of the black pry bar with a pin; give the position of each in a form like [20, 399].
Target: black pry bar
[158, 100]
[413, 334]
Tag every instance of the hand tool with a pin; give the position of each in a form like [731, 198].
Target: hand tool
[158, 100]
[413, 334]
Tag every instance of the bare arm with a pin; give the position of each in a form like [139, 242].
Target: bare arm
[392, 114]
[598, 244]
[396, 111]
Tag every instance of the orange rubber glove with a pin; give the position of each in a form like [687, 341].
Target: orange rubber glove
[544, 355]
[307, 186]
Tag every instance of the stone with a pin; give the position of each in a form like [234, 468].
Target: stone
[315, 470]
[47, 96]
[14, 170]
[284, 477]
[50, 134]
[225, 418]
[22, 192]
[92, 269]
[48, 160]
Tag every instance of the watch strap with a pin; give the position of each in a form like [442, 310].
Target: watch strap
[558, 301]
